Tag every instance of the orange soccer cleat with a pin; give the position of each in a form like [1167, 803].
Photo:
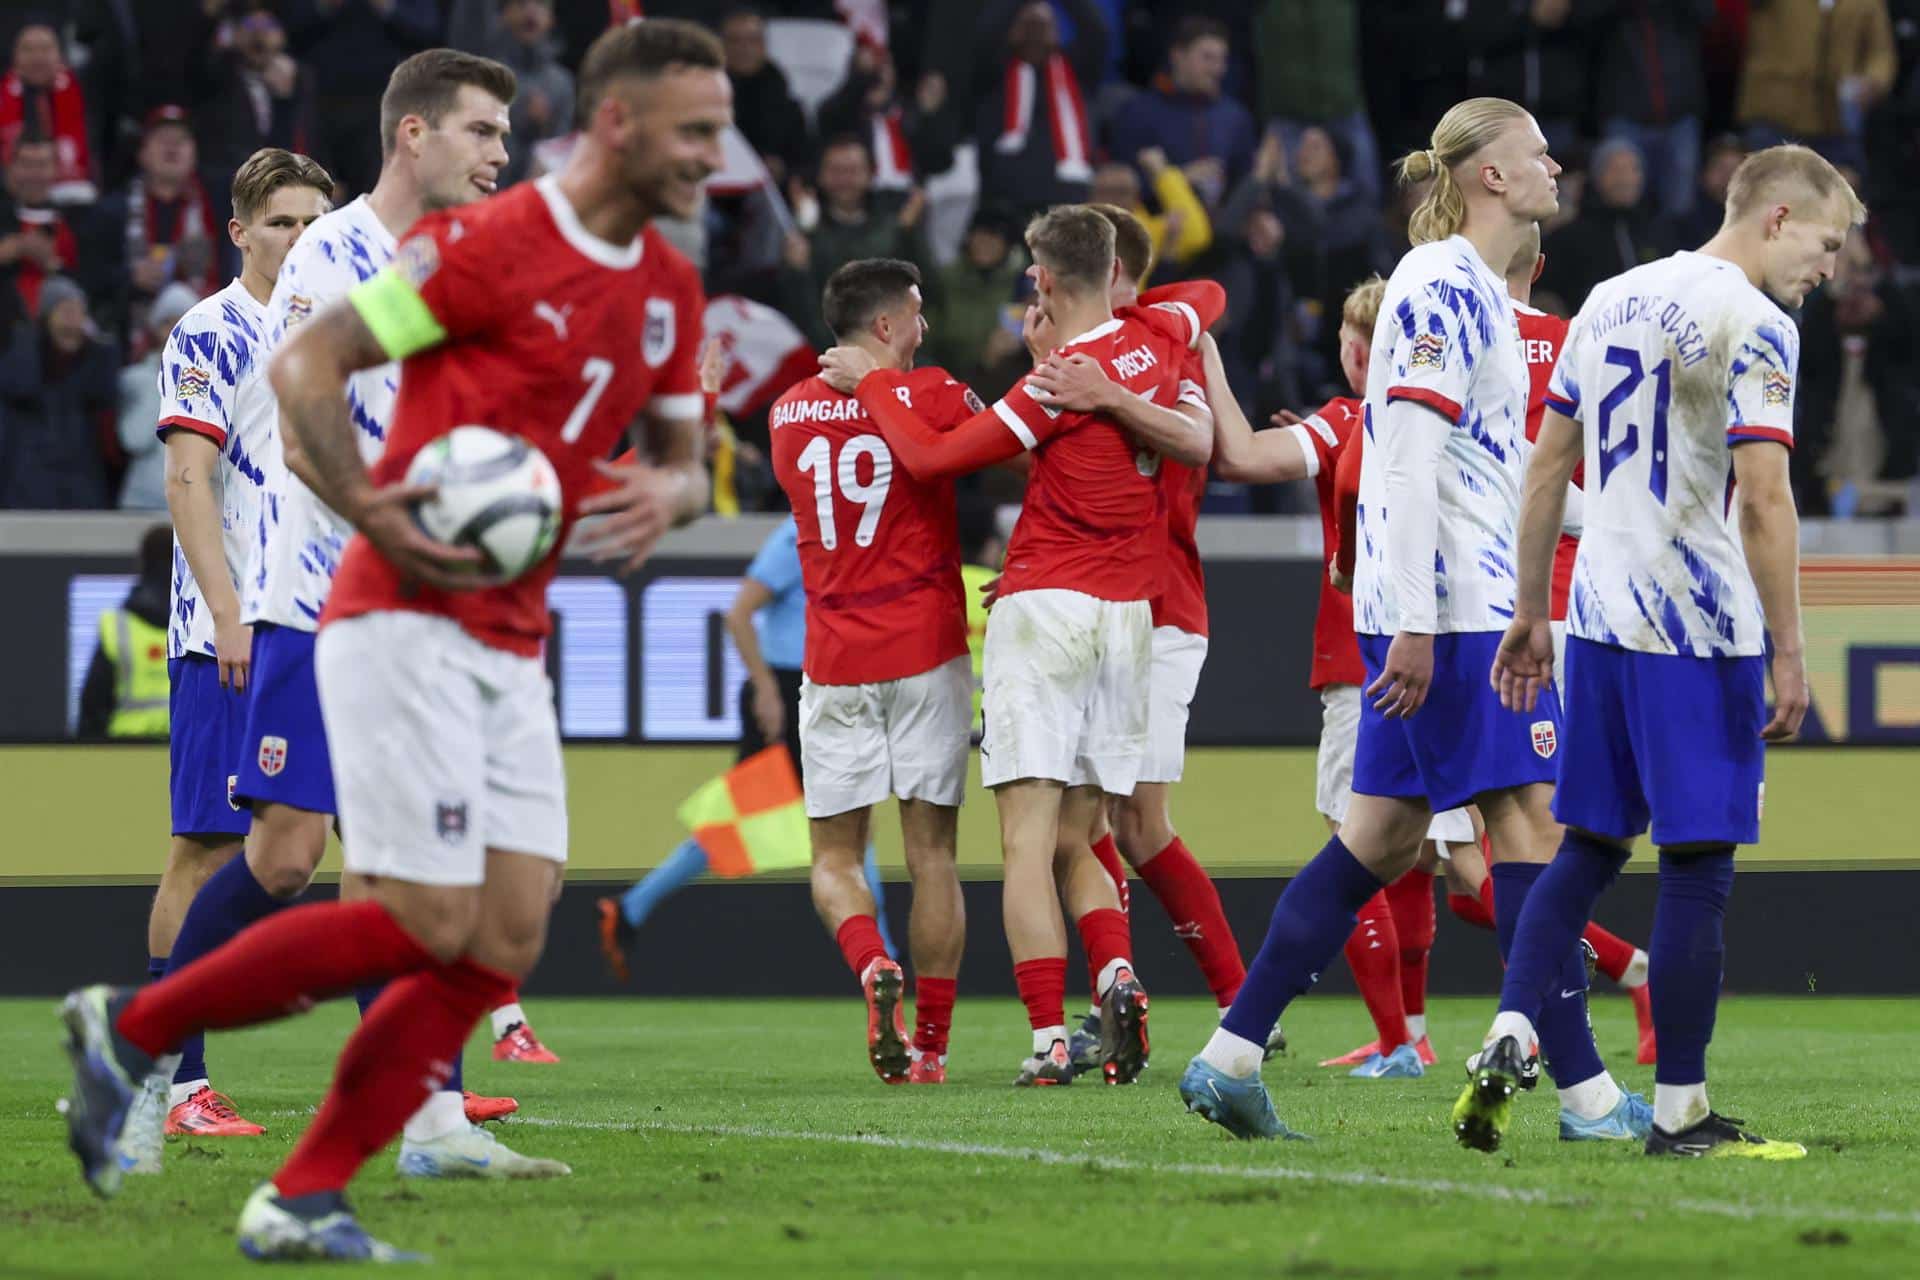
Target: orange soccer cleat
[1423, 1046]
[928, 1068]
[883, 984]
[615, 936]
[1649, 1052]
[481, 1109]
[521, 1045]
[207, 1114]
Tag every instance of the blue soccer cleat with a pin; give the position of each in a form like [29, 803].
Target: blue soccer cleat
[1402, 1064]
[318, 1228]
[1241, 1107]
[1631, 1120]
[1084, 1045]
[107, 1074]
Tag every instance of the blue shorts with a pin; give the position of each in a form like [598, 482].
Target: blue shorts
[205, 723]
[283, 753]
[1657, 735]
[1462, 742]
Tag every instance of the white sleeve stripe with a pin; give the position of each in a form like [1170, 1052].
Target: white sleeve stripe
[1187, 313]
[1019, 428]
[691, 404]
[1299, 432]
[1322, 429]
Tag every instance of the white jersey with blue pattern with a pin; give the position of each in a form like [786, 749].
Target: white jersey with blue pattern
[215, 348]
[1668, 368]
[1445, 339]
[301, 538]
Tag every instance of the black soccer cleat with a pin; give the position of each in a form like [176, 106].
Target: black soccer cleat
[1719, 1137]
[1123, 1030]
[1485, 1107]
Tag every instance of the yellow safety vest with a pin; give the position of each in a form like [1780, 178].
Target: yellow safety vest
[138, 651]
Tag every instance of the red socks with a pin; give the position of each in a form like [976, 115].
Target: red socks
[933, 1013]
[1614, 952]
[1105, 936]
[1193, 904]
[1476, 911]
[1109, 854]
[1043, 989]
[402, 1051]
[278, 966]
[861, 943]
[1373, 953]
[1410, 898]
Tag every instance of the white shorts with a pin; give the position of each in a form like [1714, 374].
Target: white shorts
[860, 743]
[442, 746]
[1177, 658]
[1333, 783]
[1066, 678]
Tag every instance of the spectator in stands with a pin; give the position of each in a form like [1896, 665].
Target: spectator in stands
[352, 46]
[1709, 208]
[126, 690]
[250, 93]
[1309, 65]
[1185, 115]
[764, 107]
[1613, 232]
[908, 137]
[1182, 230]
[171, 227]
[36, 241]
[973, 325]
[849, 220]
[1031, 121]
[1653, 91]
[58, 393]
[1536, 52]
[1813, 71]
[1260, 344]
[40, 97]
[143, 487]
[544, 106]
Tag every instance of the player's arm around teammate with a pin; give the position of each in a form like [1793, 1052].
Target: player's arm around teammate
[1183, 432]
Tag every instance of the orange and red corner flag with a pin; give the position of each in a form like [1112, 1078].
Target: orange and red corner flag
[751, 818]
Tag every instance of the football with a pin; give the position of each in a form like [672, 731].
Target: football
[493, 492]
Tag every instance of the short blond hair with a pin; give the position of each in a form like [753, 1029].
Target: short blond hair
[267, 171]
[1462, 132]
[1132, 242]
[1075, 243]
[1774, 174]
[1362, 307]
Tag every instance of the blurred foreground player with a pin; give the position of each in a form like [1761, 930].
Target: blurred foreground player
[441, 713]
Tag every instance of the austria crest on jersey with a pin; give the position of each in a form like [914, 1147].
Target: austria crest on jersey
[656, 339]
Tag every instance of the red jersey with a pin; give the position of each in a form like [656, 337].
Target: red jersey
[533, 326]
[1327, 437]
[1094, 519]
[1541, 336]
[1183, 602]
[879, 549]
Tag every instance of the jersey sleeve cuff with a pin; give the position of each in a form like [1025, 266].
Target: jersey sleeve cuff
[691, 404]
[1740, 433]
[1562, 405]
[1006, 414]
[1187, 313]
[1299, 432]
[1448, 409]
[182, 422]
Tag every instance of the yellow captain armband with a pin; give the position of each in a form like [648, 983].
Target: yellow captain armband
[399, 318]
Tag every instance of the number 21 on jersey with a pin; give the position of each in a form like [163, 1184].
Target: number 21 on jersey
[817, 461]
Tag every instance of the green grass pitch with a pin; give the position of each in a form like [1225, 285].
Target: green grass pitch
[749, 1138]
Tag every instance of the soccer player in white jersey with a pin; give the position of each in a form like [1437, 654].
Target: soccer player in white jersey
[214, 487]
[1445, 417]
[1678, 376]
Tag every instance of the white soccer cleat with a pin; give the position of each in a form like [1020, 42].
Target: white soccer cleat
[143, 1139]
[472, 1152]
[315, 1228]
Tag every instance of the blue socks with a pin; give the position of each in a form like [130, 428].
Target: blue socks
[687, 862]
[1311, 922]
[1685, 955]
[193, 1050]
[228, 902]
[456, 1079]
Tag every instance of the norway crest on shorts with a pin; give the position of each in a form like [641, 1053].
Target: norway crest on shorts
[273, 756]
[1545, 740]
[656, 338]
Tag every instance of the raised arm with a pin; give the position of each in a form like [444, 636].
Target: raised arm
[980, 441]
[1241, 453]
[1183, 432]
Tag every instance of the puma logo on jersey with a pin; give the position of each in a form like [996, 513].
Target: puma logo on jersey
[558, 319]
[1131, 364]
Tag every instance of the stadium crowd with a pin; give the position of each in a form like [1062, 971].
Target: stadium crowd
[1252, 135]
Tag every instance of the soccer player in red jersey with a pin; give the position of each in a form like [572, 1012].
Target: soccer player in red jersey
[556, 313]
[887, 697]
[1069, 641]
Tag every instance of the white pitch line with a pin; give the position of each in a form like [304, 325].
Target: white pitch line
[1249, 1173]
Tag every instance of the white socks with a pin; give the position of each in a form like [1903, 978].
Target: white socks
[1232, 1054]
[1416, 1027]
[1108, 972]
[443, 1112]
[1636, 974]
[1592, 1098]
[1043, 1038]
[505, 1016]
[1508, 1023]
[1679, 1106]
[181, 1092]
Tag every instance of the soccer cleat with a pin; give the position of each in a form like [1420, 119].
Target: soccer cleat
[521, 1045]
[143, 1139]
[1589, 960]
[1402, 1064]
[318, 1227]
[1354, 1057]
[616, 935]
[1485, 1106]
[1123, 1029]
[928, 1068]
[1051, 1067]
[107, 1073]
[481, 1109]
[887, 1050]
[1276, 1044]
[1648, 1052]
[1720, 1137]
[1241, 1107]
[471, 1152]
[207, 1114]
[1630, 1121]
[1084, 1045]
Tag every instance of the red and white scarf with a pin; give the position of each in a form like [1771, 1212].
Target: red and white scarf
[62, 112]
[1067, 112]
[195, 222]
[892, 157]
